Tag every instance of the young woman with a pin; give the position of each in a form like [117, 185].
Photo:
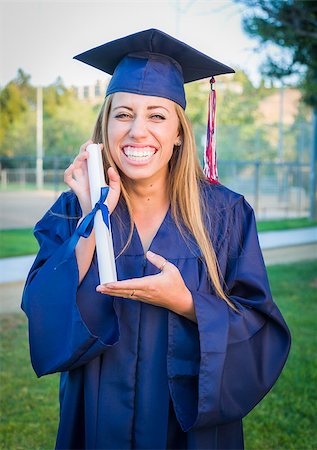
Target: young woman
[189, 340]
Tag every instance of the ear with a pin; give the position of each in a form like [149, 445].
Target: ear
[178, 141]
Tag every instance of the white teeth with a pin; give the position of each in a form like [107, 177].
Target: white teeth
[137, 153]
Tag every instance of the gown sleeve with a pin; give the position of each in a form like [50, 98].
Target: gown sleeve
[64, 332]
[221, 369]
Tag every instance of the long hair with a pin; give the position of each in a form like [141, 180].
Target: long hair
[187, 205]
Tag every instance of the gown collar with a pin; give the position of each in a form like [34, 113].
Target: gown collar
[168, 240]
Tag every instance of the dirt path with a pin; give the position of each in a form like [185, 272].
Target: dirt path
[10, 297]
[22, 209]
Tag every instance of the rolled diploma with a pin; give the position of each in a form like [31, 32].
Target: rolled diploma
[104, 244]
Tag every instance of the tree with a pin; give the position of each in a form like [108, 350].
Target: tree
[237, 113]
[15, 100]
[71, 124]
[67, 121]
[55, 95]
[292, 26]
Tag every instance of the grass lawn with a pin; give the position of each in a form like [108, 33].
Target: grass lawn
[28, 405]
[285, 224]
[14, 187]
[284, 420]
[22, 242]
[17, 242]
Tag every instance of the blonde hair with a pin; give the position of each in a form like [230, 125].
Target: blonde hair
[187, 205]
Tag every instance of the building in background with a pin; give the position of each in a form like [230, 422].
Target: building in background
[93, 93]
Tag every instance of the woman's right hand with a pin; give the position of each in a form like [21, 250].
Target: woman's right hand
[76, 177]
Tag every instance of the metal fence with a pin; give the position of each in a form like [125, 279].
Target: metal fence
[22, 173]
[275, 190]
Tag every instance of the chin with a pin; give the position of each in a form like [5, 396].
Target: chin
[143, 174]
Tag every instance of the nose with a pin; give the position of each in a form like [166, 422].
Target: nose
[138, 128]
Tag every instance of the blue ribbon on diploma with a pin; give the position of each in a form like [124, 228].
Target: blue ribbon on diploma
[86, 226]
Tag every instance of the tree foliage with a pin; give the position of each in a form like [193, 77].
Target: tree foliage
[67, 122]
[15, 100]
[68, 128]
[238, 136]
[292, 26]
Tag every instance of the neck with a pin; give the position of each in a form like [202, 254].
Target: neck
[147, 196]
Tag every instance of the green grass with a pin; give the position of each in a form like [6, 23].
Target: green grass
[17, 242]
[286, 224]
[29, 405]
[284, 420]
[21, 241]
[15, 187]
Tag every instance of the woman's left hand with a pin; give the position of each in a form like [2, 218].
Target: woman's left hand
[166, 289]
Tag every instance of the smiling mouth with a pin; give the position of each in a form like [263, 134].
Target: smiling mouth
[139, 153]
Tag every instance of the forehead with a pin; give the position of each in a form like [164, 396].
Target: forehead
[137, 100]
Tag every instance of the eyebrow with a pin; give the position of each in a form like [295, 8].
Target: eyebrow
[149, 107]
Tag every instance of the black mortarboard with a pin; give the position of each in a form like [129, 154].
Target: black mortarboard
[152, 63]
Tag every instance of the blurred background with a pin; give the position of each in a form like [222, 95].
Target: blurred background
[266, 147]
[265, 127]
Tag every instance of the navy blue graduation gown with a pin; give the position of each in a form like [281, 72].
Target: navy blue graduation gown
[138, 376]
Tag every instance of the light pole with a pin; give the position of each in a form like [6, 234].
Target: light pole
[39, 138]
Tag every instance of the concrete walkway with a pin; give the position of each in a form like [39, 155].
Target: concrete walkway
[284, 238]
[279, 247]
[287, 246]
[15, 269]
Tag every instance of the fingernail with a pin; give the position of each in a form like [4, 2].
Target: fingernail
[150, 254]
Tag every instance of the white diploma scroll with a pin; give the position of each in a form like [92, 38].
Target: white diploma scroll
[104, 245]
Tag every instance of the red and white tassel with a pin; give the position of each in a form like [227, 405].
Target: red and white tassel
[210, 156]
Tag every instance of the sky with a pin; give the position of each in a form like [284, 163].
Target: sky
[41, 37]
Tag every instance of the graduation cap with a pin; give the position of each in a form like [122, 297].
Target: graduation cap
[153, 63]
